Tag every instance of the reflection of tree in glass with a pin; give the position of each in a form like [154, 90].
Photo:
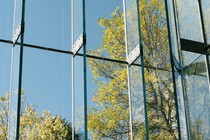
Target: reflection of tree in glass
[198, 98]
[32, 125]
[111, 119]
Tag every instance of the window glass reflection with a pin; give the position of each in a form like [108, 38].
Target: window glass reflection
[6, 17]
[46, 96]
[14, 90]
[206, 11]
[48, 23]
[160, 104]
[189, 20]
[182, 107]
[105, 29]
[137, 103]
[108, 107]
[79, 106]
[198, 96]
[155, 34]
[132, 25]
[5, 60]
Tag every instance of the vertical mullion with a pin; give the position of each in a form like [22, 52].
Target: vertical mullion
[20, 69]
[208, 67]
[85, 70]
[205, 41]
[142, 67]
[20, 65]
[72, 63]
[172, 68]
[182, 72]
[128, 72]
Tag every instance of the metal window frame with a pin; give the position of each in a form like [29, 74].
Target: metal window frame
[136, 53]
[19, 33]
[76, 46]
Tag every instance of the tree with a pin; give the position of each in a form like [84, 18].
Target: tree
[111, 119]
[4, 101]
[33, 125]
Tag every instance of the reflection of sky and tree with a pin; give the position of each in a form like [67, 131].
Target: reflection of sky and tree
[47, 75]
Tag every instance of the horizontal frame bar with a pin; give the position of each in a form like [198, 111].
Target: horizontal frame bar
[79, 54]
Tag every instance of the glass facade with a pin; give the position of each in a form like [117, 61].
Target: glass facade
[103, 70]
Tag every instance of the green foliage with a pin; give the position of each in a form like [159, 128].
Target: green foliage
[4, 100]
[33, 126]
[111, 119]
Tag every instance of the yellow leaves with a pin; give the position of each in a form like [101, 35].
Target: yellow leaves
[33, 126]
[109, 93]
[107, 120]
[113, 39]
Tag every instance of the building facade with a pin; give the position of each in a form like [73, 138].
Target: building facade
[103, 70]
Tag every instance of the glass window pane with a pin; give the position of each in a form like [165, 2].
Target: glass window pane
[48, 23]
[5, 62]
[172, 26]
[189, 20]
[198, 96]
[206, 11]
[137, 103]
[17, 14]
[6, 17]
[181, 106]
[160, 104]
[132, 25]
[14, 89]
[46, 95]
[78, 19]
[155, 34]
[108, 104]
[189, 57]
[105, 29]
[79, 106]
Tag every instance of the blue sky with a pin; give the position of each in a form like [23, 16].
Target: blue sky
[47, 75]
